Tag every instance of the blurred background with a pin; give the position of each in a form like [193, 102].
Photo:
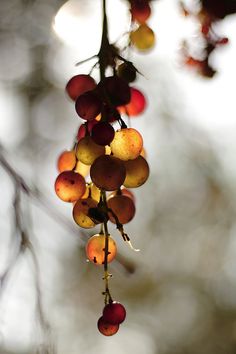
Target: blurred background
[180, 289]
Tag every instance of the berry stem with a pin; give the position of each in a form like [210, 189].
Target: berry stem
[104, 43]
[106, 277]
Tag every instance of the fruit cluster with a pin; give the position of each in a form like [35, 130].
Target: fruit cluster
[209, 13]
[142, 37]
[106, 161]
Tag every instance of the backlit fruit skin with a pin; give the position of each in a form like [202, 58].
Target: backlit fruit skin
[87, 150]
[137, 172]
[70, 186]
[116, 89]
[114, 313]
[107, 329]
[95, 192]
[88, 105]
[140, 10]
[127, 144]
[66, 161]
[79, 84]
[123, 207]
[143, 38]
[136, 105]
[95, 249]
[80, 212]
[108, 172]
[102, 133]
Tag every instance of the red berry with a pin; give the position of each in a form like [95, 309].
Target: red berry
[102, 133]
[79, 84]
[136, 105]
[114, 313]
[88, 105]
[140, 10]
[107, 329]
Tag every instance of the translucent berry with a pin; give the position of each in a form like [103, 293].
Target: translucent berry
[70, 186]
[95, 249]
[79, 84]
[143, 38]
[136, 105]
[137, 172]
[127, 144]
[107, 329]
[87, 150]
[66, 161]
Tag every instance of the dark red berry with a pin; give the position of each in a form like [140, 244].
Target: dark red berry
[88, 105]
[114, 313]
[102, 133]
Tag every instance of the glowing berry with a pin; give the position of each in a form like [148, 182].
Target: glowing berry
[143, 38]
[66, 161]
[95, 249]
[70, 186]
[136, 105]
[107, 329]
[127, 144]
[87, 150]
[79, 84]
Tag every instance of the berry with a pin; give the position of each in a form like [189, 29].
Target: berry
[106, 328]
[108, 172]
[123, 207]
[137, 172]
[140, 10]
[70, 186]
[66, 161]
[143, 38]
[102, 133]
[127, 71]
[88, 105]
[114, 313]
[87, 150]
[136, 105]
[127, 144]
[95, 249]
[79, 84]
[81, 211]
